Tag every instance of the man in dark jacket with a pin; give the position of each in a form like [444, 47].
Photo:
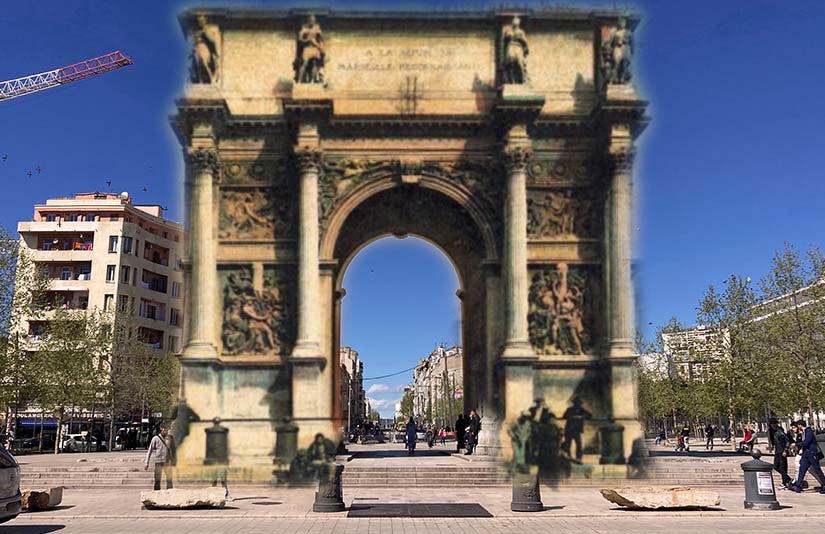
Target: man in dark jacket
[460, 427]
[780, 450]
[808, 451]
[474, 427]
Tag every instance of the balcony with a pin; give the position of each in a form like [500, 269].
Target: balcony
[55, 227]
[156, 254]
[153, 281]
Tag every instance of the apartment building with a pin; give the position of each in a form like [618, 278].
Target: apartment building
[101, 251]
[438, 381]
[354, 400]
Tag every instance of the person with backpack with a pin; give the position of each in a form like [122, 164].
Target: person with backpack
[162, 447]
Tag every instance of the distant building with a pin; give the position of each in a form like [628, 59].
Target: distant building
[438, 383]
[691, 352]
[354, 405]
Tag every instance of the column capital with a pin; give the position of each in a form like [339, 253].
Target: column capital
[517, 158]
[203, 159]
[621, 157]
[309, 158]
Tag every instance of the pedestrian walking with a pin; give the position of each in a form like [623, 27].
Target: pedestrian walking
[781, 444]
[709, 431]
[162, 447]
[460, 427]
[412, 429]
[810, 455]
[685, 435]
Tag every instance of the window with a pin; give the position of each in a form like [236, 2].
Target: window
[123, 303]
[173, 344]
[73, 217]
[90, 218]
[47, 245]
[51, 217]
[124, 273]
[137, 246]
[127, 245]
[110, 273]
[108, 300]
[112, 243]
[134, 277]
[83, 302]
[175, 290]
[66, 273]
[177, 263]
[174, 317]
[165, 235]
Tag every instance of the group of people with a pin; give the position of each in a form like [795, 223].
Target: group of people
[799, 440]
[467, 429]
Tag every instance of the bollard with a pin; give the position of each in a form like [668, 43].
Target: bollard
[760, 493]
[330, 494]
[526, 491]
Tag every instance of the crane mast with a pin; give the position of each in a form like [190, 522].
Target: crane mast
[72, 73]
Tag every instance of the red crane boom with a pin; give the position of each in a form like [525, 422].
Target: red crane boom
[72, 73]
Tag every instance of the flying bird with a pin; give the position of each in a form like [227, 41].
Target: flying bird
[29, 174]
[145, 190]
[108, 183]
[38, 169]
[5, 157]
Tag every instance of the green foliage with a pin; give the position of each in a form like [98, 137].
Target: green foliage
[407, 404]
[764, 352]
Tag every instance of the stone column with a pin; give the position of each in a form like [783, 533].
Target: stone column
[308, 344]
[620, 251]
[617, 437]
[516, 283]
[203, 282]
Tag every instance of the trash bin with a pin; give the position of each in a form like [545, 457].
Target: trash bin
[760, 493]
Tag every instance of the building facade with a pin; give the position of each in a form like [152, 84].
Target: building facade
[354, 407]
[438, 383]
[691, 353]
[102, 251]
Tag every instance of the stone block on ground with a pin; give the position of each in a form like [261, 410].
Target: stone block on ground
[184, 498]
[657, 497]
[42, 499]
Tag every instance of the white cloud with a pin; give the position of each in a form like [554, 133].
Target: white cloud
[378, 389]
[383, 405]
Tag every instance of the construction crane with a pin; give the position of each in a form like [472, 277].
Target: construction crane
[85, 69]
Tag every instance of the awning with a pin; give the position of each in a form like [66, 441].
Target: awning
[36, 422]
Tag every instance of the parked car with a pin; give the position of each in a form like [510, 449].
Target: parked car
[420, 435]
[77, 443]
[10, 497]
[34, 444]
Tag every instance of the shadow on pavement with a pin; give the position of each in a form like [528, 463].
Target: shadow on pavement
[59, 507]
[385, 453]
[30, 529]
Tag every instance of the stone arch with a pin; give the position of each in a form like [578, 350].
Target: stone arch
[436, 213]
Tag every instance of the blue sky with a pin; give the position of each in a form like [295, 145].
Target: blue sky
[731, 166]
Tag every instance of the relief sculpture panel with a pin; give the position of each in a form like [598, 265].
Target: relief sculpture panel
[257, 320]
[257, 213]
[563, 213]
[561, 312]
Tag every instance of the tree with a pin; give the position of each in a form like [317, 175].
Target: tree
[139, 376]
[407, 404]
[738, 374]
[792, 323]
[23, 289]
[70, 355]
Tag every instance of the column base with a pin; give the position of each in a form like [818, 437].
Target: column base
[197, 350]
[305, 349]
[612, 444]
[518, 350]
[488, 438]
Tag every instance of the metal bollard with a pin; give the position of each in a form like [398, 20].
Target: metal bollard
[526, 491]
[330, 494]
[760, 493]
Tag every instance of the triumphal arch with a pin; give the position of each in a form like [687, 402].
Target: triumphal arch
[505, 139]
